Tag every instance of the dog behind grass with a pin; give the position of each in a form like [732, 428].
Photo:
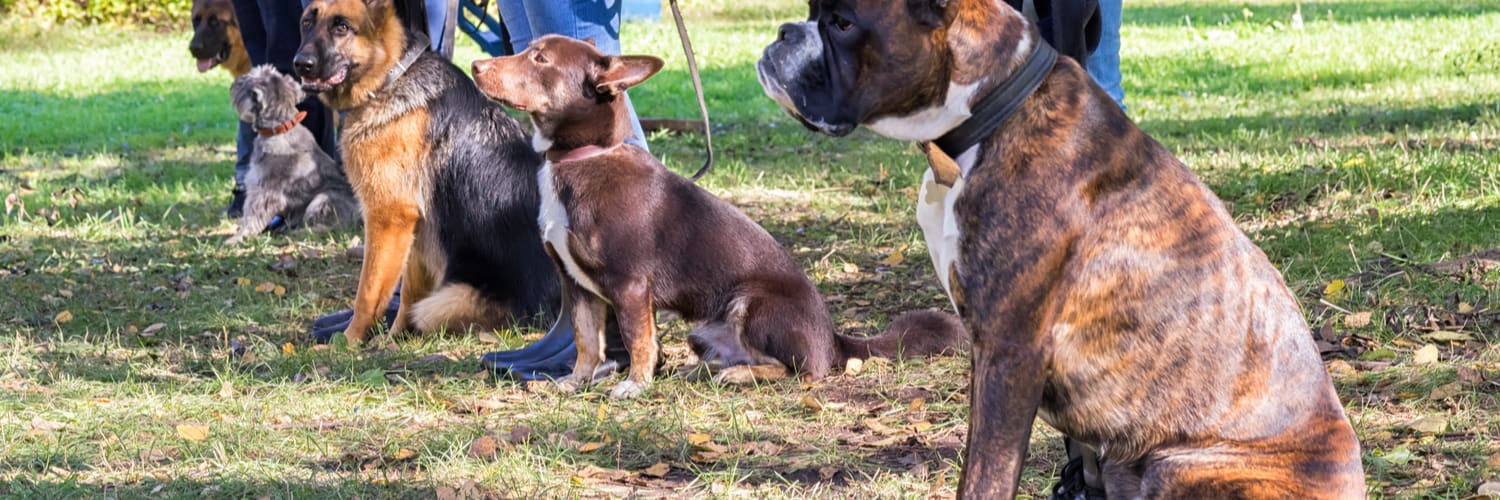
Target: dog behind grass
[289, 175]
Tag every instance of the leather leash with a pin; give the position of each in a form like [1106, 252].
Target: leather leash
[687, 49]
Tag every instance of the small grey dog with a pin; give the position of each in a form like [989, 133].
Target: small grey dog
[289, 175]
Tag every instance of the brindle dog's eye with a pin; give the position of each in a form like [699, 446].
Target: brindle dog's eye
[340, 29]
[840, 23]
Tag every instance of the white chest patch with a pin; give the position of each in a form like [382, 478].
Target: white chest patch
[940, 228]
[553, 220]
[930, 123]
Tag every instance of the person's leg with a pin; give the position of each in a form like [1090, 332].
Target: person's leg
[1104, 63]
[513, 14]
[437, 14]
[583, 19]
[253, 35]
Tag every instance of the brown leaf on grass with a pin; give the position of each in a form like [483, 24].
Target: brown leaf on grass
[1357, 320]
[1428, 424]
[1490, 489]
[879, 427]
[1445, 391]
[266, 287]
[827, 472]
[892, 260]
[1446, 336]
[402, 455]
[811, 402]
[226, 389]
[853, 366]
[698, 438]
[192, 432]
[484, 447]
[1340, 368]
[1427, 355]
[593, 473]
[1493, 463]
[63, 318]
[590, 446]
[658, 470]
[155, 327]
[1470, 376]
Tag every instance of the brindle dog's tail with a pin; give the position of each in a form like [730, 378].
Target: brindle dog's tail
[913, 334]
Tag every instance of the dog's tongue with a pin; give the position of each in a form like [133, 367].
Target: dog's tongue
[205, 64]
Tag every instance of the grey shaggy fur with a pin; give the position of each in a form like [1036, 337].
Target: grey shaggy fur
[289, 175]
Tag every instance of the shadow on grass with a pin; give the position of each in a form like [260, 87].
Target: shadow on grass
[1204, 14]
[194, 488]
[1336, 120]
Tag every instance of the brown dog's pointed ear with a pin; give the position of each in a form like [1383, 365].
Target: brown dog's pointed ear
[625, 72]
[590, 41]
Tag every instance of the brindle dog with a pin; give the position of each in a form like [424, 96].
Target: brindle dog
[216, 38]
[447, 179]
[1107, 289]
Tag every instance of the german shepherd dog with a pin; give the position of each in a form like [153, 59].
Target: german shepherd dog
[447, 179]
[632, 235]
[216, 38]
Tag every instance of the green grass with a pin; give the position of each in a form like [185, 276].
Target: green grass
[1357, 151]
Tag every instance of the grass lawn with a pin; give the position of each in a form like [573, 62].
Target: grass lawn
[141, 357]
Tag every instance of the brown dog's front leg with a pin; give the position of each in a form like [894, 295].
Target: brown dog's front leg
[1005, 391]
[637, 318]
[389, 231]
[588, 314]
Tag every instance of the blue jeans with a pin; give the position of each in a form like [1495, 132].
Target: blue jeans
[527, 20]
[1104, 63]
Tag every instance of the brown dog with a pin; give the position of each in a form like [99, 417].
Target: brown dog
[216, 38]
[633, 236]
[446, 178]
[1107, 289]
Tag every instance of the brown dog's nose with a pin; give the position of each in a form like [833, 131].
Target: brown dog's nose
[481, 66]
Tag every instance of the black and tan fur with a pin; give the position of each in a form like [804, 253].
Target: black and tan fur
[216, 38]
[447, 179]
[630, 235]
[289, 175]
[1108, 290]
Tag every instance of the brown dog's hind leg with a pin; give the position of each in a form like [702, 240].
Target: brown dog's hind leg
[389, 231]
[417, 283]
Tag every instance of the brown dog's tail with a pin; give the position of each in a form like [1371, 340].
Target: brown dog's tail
[913, 334]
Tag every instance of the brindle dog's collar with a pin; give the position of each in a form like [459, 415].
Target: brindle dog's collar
[999, 104]
[285, 127]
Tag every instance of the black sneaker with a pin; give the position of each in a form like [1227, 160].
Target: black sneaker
[1071, 485]
[236, 207]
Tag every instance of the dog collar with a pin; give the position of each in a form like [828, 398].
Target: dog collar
[285, 126]
[994, 108]
[581, 153]
[418, 45]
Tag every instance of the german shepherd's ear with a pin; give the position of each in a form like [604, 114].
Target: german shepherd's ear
[928, 13]
[625, 72]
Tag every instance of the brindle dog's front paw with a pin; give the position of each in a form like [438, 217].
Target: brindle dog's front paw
[627, 389]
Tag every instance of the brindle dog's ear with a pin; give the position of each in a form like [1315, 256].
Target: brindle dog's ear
[928, 13]
[624, 72]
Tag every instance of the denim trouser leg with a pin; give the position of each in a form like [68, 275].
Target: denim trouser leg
[1104, 63]
[581, 19]
[244, 144]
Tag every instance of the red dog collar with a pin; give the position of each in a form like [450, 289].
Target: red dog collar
[284, 127]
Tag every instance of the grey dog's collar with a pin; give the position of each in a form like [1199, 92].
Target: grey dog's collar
[1001, 103]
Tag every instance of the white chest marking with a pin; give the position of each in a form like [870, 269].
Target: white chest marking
[931, 123]
[939, 225]
[553, 220]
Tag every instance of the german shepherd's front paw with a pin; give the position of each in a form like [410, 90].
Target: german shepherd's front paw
[627, 389]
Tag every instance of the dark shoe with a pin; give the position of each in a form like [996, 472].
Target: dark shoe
[236, 208]
[1072, 483]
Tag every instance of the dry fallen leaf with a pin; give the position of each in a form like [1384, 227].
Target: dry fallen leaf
[1465, 308]
[192, 432]
[63, 317]
[851, 268]
[1428, 424]
[403, 454]
[1445, 391]
[242, 281]
[660, 469]
[42, 424]
[1427, 355]
[894, 259]
[484, 447]
[1446, 336]
[279, 290]
[1493, 463]
[1489, 489]
[226, 390]
[288, 349]
[155, 327]
[853, 366]
[1341, 368]
[1357, 320]
[811, 402]
[1335, 291]
[266, 287]
[698, 438]
[590, 446]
